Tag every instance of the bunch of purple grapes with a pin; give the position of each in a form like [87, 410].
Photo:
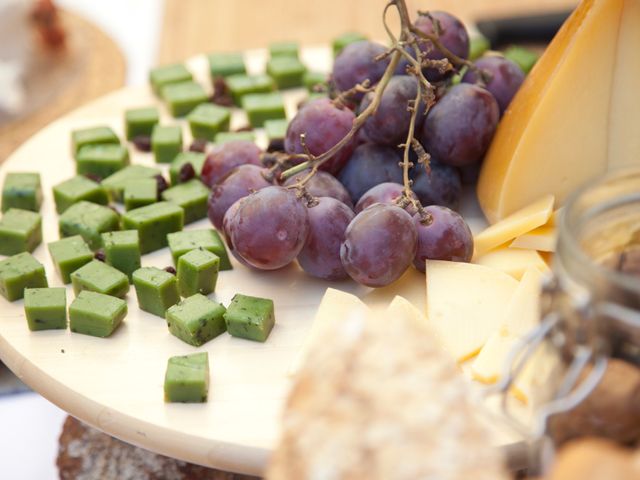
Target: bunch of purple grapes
[269, 224]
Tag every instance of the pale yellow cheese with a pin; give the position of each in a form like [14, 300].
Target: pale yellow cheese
[400, 306]
[465, 304]
[513, 261]
[528, 218]
[576, 116]
[489, 366]
[542, 239]
[523, 310]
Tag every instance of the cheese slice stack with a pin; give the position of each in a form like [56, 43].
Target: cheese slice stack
[576, 116]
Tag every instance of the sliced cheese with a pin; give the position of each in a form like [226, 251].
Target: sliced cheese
[569, 124]
[528, 218]
[513, 261]
[409, 286]
[489, 366]
[465, 304]
[402, 307]
[542, 239]
[523, 310]
[335, 306]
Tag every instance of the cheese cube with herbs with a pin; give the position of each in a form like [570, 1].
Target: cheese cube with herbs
[182, 98]
[22, 190]
[283, 49]
[314, 80]
[153, 223]
[166, 143]
[96, 314]
[19, 272]
[99, 277]
[20, 231]
[101, 160]
[263, 106]
[198, 272]
[224, 137]
[208, 119]
[248, 317]
[345, 39]
[192, 196]
[45, 308]
[187, 378]
[225, 64]
[122, 250]
[159, 77]
[241, 85]
[140, 121]
[276, 130]
[157, 290]
[140, 192]
[287, 72]
[196, 159]
[207, 239]
[116, 183]
[196, 320]
[76, 189]
[92, 136]
[69, 254]
[90, 221]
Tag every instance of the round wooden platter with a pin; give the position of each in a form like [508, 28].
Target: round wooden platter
[116, 384]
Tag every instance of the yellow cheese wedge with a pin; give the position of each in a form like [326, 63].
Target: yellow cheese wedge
[523, 310]
[401, 306]
[576, 116]
[513, 261]
[465, 304]
[542, 239]
[489, 366]
[516, 224]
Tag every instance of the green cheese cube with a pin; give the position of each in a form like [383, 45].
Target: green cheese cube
[263, 106]
[140, 192]
[140, 121]
[20, 231]
[315, 95]
[92, 136]
[478, 44]
[196, 320]
[250, 317]
[153, 223]
[78, 188]
[122, 250]
[101, 160]
[156, 289]
[23, 191]
[345, 39]
[192, 196]
[159, 77]
[287, 72]
[99, 277]
[208, 239]
[224, 137]
[19, 272]
[89, 220]
[116, 183]
[187, 378]
[276, 129]
[45, 308]
[181, 98]
[68, 255]
[96, 314]
[524, 57]
[166, 143]
[241, 85]
[198, 272]
[196, 159]
[315, 80]
[208, 119]
[225, 64]
[283, 49]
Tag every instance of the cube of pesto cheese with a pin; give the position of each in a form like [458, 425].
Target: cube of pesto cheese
[140, 121]
[159, 77]
[96, 314]
[157, 290]
[208, 119]
[68, 255]
[153, 223]
[182, 98]
[76, 189]
[101, 160]
[23, 191]
[345, 39]
[187, 378]
[224, 137]
[20, 231]
[99, 277]
[122, 250]
[90, 221]
[99, 135]
[45, 308]
[263, 106]
[248, 317]
[198, 272]
[225, 64]
[192, 196]
[208, 239]
[283, 49]
[287, 72]
[196, 320]
[240, 85]
[166, 142]
[196, 159]
[314, 81]
[140, 192]
[19, 272]
[116, 183]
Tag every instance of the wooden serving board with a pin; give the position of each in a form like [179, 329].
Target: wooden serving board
[116, 384]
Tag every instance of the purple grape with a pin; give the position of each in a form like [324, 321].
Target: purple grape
[237, 184]
[459, 128]
[446, 237]
[324, 125]
[228, 156]
[226, 223]
[390, 124]
[380, 244]
[268, 228]
[387, 193]
[469, 175]
[323, 184]
[356, 63]
[369, 166]
[320, 256]
[506, 78]
[440, 187]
